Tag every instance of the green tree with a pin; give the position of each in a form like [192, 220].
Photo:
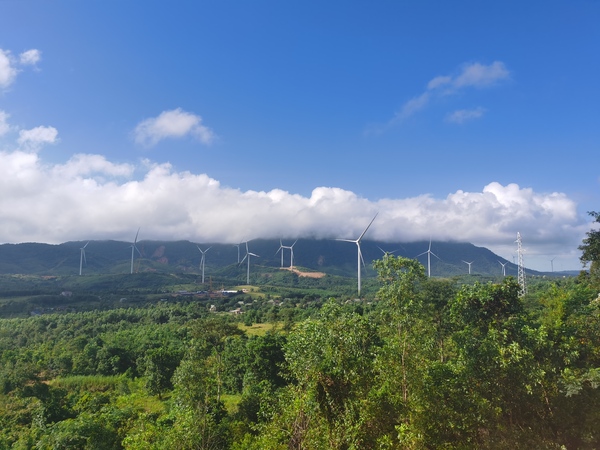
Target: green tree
[591, 249]
[330, 362]
[160, 364]
[492, 387]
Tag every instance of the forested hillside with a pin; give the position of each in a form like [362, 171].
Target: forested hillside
[429, 364]
[328, 256]
[424, 363]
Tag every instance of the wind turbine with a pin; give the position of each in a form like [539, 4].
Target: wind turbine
[238, 247]
[202, 260]
[292, 254]
[552, 264]
[280, 249]
[359, 256]
[134, 249]
[469, 263]
[291, 248]
[82, 257]
[429, 253]
[503, 267]
[248, 254]
[386, 253]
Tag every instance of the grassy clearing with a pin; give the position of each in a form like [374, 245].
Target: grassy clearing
[259, 329]
[140, 401]
[250, 290]
[89, 382]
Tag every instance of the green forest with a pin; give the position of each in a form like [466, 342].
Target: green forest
[423, 363]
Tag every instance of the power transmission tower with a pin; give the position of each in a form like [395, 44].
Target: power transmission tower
[521, 276]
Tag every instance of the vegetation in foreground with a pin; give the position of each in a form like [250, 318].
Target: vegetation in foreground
[429, 364]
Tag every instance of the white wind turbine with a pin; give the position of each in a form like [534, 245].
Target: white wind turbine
[429, 253]
[503, 268]
[552, 264]
[291, 248]
[386, 253]
[82, 256]
[359, 256]
[280, 249]
[248, 254]
[202, 260]
[134, 249]
[469, 264]
[238, 248]
[292, 254]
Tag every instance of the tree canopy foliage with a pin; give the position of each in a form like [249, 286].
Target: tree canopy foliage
[590, 249]
[427, 363]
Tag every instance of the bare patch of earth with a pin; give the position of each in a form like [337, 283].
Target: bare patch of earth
[305, 274]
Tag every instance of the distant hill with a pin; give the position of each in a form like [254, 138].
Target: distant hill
[328, 256]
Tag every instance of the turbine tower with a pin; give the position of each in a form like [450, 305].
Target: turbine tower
[359, 256]
[82, 257]
[552, 264]
[280, 249]
[503, 268]
[521, 272]
[248, 254]
[429, 253]
[469, 263]
[134, 249]
[202, 260]
[291, 249]
[238, 248]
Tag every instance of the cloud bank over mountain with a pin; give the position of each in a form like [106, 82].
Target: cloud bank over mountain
[90, 197]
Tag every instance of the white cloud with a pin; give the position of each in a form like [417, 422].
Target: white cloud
[30, 57]
[8, 72]
[479, 75]
[463, 115]
[414, 105]
[474, 75]
[82, 165]
[175, 123]
[35, 138]
[4, 126]
[438, 82]
[89, 197]
[8, 65]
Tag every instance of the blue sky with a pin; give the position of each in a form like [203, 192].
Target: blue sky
[226, 121]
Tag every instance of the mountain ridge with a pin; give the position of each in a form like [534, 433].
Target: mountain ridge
[323, 255]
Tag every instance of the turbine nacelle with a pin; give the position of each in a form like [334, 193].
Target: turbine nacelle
[359, 252]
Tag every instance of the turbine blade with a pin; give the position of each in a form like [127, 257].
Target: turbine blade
[363, 233]
[361, 257]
